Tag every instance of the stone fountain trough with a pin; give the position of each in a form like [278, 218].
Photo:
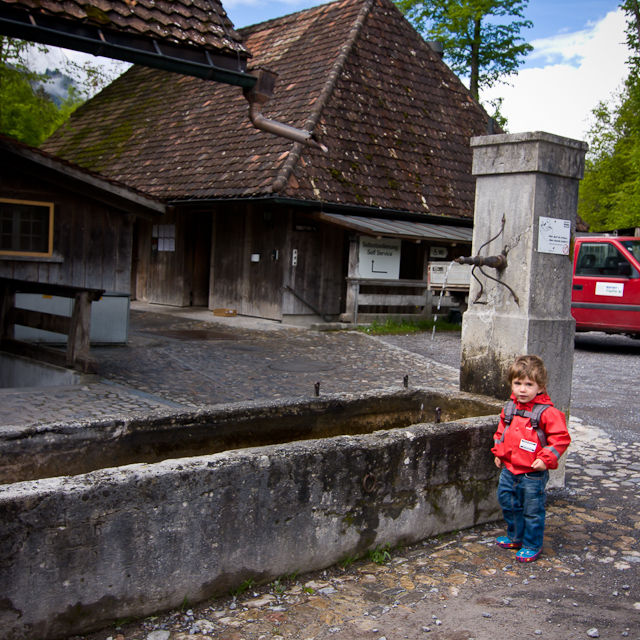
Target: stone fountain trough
[128, 517]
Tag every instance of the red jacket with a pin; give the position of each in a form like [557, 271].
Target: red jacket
[518, 445]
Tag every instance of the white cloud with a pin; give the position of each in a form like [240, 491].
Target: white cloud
[577, 71]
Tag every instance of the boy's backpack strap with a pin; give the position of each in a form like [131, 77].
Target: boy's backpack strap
[538, 410]
[509, 412]
[534, 415]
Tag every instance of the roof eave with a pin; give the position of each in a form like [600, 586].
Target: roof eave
[54, 170]
[326, 207]
[227, 68]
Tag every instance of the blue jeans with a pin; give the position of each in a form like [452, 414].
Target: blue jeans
[522, 498]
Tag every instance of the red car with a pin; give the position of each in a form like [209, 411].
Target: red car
[606, 284]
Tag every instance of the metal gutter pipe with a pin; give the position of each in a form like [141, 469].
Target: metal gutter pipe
[258, 95]
[96, 42]
[326, 207]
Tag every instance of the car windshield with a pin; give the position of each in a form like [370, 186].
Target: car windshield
[633, 247]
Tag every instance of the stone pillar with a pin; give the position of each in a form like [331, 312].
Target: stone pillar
[523, 177]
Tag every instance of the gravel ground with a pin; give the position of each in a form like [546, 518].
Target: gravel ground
[443, 346]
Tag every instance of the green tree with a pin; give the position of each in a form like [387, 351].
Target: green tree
[27, 112]
[481, 38]
[610, 192]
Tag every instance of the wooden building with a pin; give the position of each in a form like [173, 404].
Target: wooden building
[267, 226]
[63, 225]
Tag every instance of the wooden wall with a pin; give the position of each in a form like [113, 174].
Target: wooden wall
[161, 276]
[258, 288]
[92, 241]
[252, 288]
[319, 275]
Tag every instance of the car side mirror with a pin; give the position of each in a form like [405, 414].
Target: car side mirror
[624, 269]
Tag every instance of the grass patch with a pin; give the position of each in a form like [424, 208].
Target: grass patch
[278, 586]
[348, 561]
[380, 555]
[247, 584]
[408, 326]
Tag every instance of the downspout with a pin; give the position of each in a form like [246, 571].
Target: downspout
[258, 95]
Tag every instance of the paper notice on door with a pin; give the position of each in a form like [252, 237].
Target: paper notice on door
[615, 289]
[554, 236]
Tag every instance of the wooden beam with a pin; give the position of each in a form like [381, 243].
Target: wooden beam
[49, 355]
[40, 320]
[7, 302]
[27, 286]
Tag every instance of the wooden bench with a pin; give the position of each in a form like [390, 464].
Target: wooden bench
[76, 327]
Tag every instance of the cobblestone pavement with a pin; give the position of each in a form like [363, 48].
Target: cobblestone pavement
[180, 361]
[458, 586]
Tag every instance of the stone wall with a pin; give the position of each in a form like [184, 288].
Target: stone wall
[78, 552]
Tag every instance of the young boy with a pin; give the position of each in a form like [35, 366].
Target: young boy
[531, 437]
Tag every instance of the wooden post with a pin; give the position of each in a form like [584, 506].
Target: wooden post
[7, 303]
[78, 340]
[351, 307]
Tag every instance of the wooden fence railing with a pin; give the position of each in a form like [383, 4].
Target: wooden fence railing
[386, 298]
[76, 327]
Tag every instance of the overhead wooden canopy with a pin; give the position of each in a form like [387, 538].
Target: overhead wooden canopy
[190, 37]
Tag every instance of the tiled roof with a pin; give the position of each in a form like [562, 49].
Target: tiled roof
[11, 150]
[396, 120]
[195, 23]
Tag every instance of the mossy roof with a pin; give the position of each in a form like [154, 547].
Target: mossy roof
[396, 120]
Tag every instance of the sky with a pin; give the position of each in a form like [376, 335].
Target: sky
[578, 60]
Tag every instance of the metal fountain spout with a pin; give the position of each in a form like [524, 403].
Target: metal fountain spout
[498, 262]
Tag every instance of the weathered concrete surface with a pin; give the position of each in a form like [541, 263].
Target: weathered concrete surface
[72, 547]
[71, 448]
[522, 177]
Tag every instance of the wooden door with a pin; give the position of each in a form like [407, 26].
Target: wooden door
[247, 274]
[200, 263]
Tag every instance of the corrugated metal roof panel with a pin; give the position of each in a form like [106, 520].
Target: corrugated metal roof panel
[400, 228]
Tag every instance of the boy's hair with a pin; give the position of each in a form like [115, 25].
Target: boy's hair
[530, 367]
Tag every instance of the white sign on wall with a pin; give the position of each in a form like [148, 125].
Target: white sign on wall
[438, 252]
[379, 258]
[554, 236]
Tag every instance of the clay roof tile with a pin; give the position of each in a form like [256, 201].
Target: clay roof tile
[395, 118]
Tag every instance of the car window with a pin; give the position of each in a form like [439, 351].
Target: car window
[603, 259]
[633, 247]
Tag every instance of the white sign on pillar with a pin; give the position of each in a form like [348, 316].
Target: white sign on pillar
[379, 258]
[554, 236]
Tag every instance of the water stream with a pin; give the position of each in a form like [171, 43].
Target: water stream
[444, 286]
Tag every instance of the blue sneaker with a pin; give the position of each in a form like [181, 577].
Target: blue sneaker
[507, 543]
[527, 555]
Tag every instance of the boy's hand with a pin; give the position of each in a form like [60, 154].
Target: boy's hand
[499, 462]
[539, 465]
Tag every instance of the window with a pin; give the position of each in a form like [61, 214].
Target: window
[26, 228]
[633, 247]
[603, 259]
[163, 237]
